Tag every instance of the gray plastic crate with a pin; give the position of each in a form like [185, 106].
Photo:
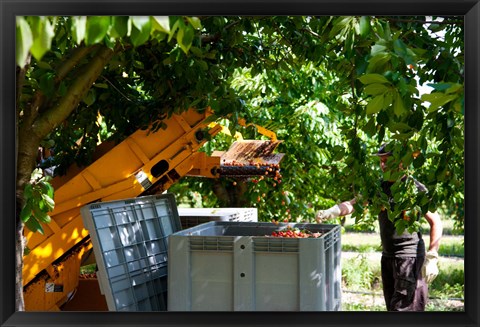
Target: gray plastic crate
[130, 242]
[191, 217]
[235, 266]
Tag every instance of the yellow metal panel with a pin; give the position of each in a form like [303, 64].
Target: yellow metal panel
[137, 150]
[202, 165]
[110, 177]
[53, 248]
[66, 275]
[92, 181]
[92, 196]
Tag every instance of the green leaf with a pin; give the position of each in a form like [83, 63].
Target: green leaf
[24, 41]
[47, 83]
[381, 133]
[387, 31]
[373, 78]
[407, 159]
[178, 23]
[28, 191]
[47, 188]
[365, 27]
[440, 86]
[62, 89]
[383, 118]
[399, 127]
[454, 88]
[138, 64]
[140, 21]
[375, 104]
[185, 38]
[96, 29]
[195, 22]
[43, 33]
[203, 65]
[26, 212]
[376, 89]
[386, 175]
[388, 99]
[119, 26]
[339, 24]
[400, 48]
[416, 120]
[349, 45]
[419, 161]
[45, 217]
[448, 88]
[437, 100]
[90, 98]
[213, 55]
[161, 23]
[196, 51]
[34, 226]
[44, 65]
[48, 202]
[168, 61]
[41, 215]
[370, 129]
[101, 85]
[398, 106]
[379, 62]
[140, 30]
[378, 49]
[79, 27]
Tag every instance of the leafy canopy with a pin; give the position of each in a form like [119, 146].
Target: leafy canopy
[332, 88]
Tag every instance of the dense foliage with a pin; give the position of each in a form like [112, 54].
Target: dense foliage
[332, 88]
[349, 85]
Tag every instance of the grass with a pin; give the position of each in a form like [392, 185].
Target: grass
[450, 246]
[361, 273]
[88, 269]
[448, 227]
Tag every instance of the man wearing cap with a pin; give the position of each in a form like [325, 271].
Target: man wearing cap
[406, 268]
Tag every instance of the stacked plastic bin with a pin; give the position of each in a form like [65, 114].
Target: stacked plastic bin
[191, 217]
[130, 241]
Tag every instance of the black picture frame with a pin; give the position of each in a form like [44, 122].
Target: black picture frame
[470, 9]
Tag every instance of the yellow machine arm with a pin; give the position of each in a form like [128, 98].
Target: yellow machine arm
[268, 133]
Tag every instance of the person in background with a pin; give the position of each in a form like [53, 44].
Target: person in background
[45, 160]
[405, 266]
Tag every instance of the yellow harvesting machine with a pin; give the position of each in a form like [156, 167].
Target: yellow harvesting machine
[144, 163]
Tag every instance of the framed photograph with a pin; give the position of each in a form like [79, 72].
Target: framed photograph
[11, 11]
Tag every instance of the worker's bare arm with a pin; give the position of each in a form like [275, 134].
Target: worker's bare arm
[436, 230]
[346, 207]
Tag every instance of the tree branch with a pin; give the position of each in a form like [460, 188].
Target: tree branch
[55, 115]
[66, 66]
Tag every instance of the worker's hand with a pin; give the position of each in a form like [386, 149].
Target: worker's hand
[430, 266]
[330, 213]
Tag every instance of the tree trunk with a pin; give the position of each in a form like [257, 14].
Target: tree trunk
[35, 126]
[229, 195]
[19, 248]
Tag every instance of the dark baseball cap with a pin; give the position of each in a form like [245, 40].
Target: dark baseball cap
[382, 151]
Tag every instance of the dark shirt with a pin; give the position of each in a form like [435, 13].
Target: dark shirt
[394, 244]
